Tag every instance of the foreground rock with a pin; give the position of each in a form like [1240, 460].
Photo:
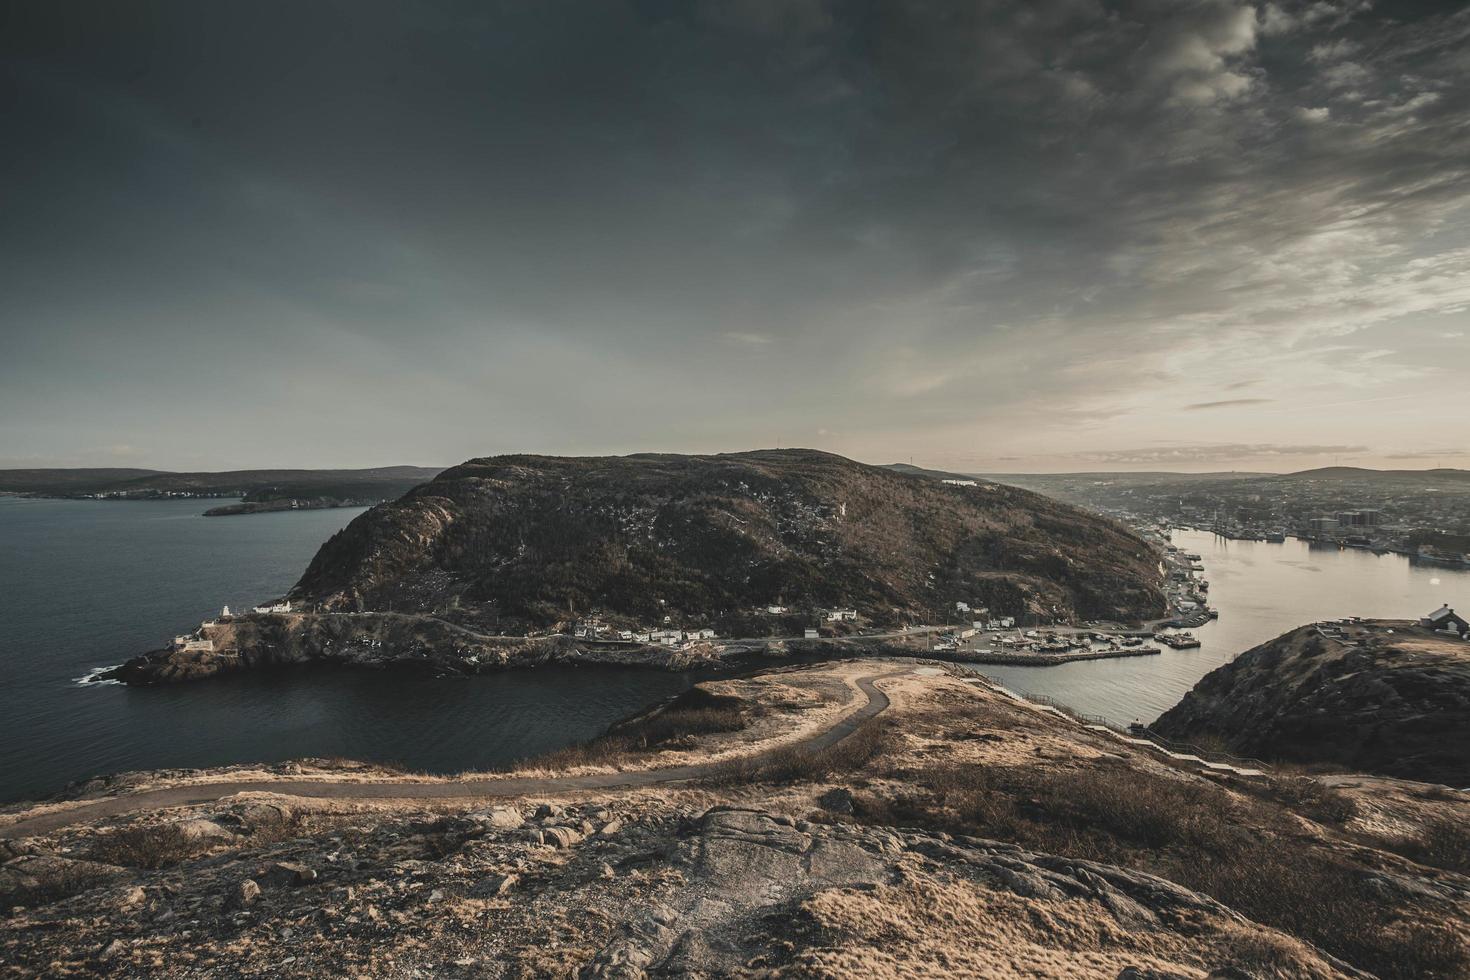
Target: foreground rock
[1377, 697]
[726, 892]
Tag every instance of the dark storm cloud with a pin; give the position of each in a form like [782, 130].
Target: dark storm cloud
[439, 229]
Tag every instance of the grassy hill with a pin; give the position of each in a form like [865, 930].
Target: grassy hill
[516, 542]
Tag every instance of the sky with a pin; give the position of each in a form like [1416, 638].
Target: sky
[1041, 235]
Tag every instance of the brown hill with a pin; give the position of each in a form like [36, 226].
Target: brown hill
[1387, 698]
[523, 542]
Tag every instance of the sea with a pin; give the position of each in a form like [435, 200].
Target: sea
[87, 584]
[1261, 590]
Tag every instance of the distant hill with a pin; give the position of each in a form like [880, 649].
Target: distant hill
[369, 485]
[524, 542]
[1406, 478]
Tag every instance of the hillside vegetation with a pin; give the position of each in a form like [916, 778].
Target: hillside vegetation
[526, 542]
[1385, 698]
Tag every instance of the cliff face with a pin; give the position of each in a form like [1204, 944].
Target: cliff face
[1384, 698]
[522, 542]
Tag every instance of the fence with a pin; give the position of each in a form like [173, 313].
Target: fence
[1183, 748]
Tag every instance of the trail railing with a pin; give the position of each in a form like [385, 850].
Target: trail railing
[1183, 748]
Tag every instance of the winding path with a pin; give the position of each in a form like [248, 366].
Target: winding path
[475, 788]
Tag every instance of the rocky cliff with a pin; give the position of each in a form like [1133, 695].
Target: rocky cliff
[515, 543]
[1376, 697]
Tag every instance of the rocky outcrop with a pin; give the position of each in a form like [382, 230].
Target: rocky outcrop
[515, 543]
[637, 891]
[1378, 697]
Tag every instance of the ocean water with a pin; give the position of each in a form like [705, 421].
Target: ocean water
[1262, 590]
[85, 584]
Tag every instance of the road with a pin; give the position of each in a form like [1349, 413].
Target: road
[500, 788]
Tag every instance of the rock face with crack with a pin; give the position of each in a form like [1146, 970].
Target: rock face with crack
[619, 891]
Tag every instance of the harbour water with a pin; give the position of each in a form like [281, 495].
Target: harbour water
[1261, 590]
[85, 584]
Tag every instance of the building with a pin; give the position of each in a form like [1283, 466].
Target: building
[1322, 523]
[841, 615]
[1444, 618]
[962, 607]
[811, 634]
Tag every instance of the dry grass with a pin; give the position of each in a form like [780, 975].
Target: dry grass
[676, 725]
[795, 764]
[1443, 843]
[1232, 848]
[148, 846]
[1308, 796]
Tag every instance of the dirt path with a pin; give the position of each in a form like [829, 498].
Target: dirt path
[482, 788]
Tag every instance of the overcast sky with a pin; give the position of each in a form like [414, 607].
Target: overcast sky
[988, 236]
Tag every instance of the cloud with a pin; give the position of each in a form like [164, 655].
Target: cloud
[1226, 403]
[955, 224]
[1222, 453]
[744, 339]
[1431, 454]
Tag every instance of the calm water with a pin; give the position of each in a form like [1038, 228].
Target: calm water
[91, 583]
[1262, 590]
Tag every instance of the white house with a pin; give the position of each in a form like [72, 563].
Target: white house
[841, 615]
[962, 607]
[812, 634]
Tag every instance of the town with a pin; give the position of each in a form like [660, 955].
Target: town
[1422, 514]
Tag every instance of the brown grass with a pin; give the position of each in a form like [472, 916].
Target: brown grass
[1310, 797]
[148, 846]
[1235, 849]
[1443, 843]
[796, 764]
[694, 713]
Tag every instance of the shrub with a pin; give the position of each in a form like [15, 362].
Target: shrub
[798, 764]
[1442, 843]
[695, 712]
[1311, 798]
[147, 846]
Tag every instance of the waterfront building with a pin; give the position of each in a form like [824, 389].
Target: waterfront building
[1444, 618]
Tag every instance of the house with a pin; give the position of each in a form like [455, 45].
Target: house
[962, 607]
[775, 610]
[1444, 618]
[840, 615]
[811, 634]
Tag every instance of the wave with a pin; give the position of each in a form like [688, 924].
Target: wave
[94, 678]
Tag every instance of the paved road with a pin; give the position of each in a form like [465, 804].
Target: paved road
[476, 788]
